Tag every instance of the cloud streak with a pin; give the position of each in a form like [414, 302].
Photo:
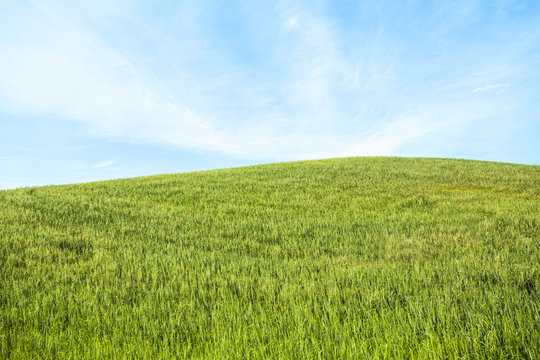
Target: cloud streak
[489, 87]
[104, 164]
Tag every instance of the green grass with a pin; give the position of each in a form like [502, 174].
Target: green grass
[343, 258]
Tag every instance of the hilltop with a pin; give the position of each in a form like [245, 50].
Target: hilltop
[340, 258]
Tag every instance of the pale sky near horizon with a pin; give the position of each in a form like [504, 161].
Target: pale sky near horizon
[112, 89]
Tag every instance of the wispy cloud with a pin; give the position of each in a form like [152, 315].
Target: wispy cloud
[395, 133]
[104, 164]
[292, 22]
[489, 87]
[10, 157]
[70, 72]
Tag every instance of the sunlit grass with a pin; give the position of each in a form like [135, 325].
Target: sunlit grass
[343, 258]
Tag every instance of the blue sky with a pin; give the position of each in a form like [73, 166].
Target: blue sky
[108, 89]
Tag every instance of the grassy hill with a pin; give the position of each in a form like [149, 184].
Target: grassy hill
[342, 258]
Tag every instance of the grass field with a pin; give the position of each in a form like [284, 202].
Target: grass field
[343, 258]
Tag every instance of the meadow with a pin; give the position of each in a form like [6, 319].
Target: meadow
[375, 258]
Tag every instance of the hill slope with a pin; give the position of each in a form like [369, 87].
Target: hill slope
[342, 258]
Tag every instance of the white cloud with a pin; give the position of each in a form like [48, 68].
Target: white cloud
[105, 164]
[291, 23]
[489, 87]
[72, 74]
[10, 157]
[393, 134]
